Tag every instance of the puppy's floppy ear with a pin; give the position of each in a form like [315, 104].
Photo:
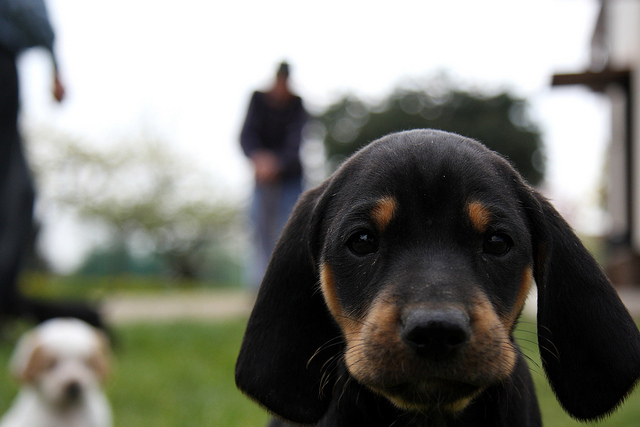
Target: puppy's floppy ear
[28, 359]
[100, 360]
[285, 347]
[589, 344]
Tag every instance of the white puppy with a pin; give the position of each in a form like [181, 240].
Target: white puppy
[61, 365]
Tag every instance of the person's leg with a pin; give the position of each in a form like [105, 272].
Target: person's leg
[263, 217]
[291, 190]
[18, 196]
[271, 207]
[16, 190]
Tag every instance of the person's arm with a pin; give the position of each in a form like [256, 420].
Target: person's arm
[32, 19]
[265, 163]
[249, 139]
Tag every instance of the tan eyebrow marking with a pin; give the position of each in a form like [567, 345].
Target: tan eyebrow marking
[480, 216]
[382, 213]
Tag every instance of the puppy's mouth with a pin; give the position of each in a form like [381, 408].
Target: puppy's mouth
[72, 393]
[433, 394]
[427, 358]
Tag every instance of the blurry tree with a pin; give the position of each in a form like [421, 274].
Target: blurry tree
[500, 121]
[151, 199]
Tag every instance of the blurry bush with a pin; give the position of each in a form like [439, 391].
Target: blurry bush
[162, 213]
[499, 120]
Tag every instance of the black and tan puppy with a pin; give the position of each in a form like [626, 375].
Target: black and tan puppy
[393, 294]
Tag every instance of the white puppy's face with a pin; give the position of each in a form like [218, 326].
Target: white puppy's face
[62, 359]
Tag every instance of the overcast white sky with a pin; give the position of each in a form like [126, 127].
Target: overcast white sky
[186, 70]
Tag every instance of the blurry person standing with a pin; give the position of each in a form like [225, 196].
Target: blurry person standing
[271, 138]
[23, 24]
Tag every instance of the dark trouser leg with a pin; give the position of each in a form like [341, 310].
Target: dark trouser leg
[16, 190]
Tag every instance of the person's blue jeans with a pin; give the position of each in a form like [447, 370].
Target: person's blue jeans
[270, 208]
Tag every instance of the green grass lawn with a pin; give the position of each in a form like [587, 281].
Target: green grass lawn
[170, 375]
[181, 374]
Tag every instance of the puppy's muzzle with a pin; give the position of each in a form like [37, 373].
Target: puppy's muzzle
[436, 334]
[73, 391]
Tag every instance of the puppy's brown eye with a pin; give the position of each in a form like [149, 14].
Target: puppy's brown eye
[362, 243]
[497, 244]
[50, 363]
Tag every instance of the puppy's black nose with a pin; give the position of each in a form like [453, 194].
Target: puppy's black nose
[73, 390]
[436, 334]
